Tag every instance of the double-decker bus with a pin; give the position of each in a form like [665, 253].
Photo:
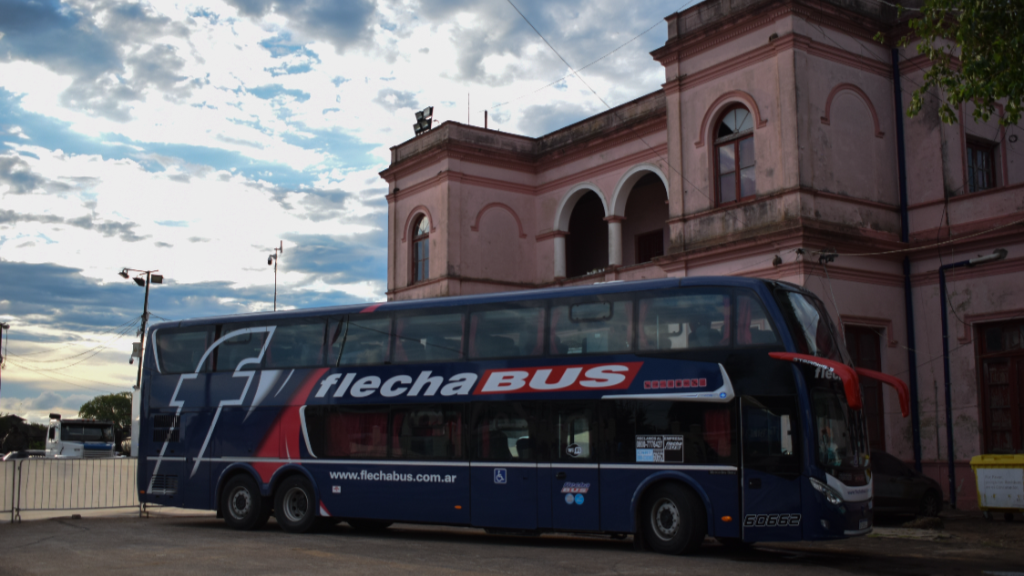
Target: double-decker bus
[667, 409]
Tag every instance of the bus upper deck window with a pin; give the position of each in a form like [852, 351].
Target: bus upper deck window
[297, 344]
[752, 324]
[506, 333]
[594, 327]
[239, 347]
[428, 337]
[360, 340]
[180, 350]
[685, 320]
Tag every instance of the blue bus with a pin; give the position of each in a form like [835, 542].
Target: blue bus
[667, 409]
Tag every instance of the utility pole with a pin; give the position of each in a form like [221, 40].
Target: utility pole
[272, 259]
[150, 278]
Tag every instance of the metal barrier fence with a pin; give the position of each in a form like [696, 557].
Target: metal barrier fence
[38, 484]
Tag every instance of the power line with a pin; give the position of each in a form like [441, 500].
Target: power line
[609, 107]
[620, 47]
[95, 350]
[73, 342]
[41, 372]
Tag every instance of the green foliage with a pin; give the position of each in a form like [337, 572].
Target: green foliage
[116, 408]
[977, 53]
[17, 434]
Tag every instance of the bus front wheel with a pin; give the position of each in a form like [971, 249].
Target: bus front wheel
[295, 505]
[673, 520]
[244, 507]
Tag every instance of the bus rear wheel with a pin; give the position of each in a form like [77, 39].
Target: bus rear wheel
[673, 520]
[244, 507]
[295, 505]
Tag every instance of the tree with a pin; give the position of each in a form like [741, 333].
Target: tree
[977, 53]
[116, 408]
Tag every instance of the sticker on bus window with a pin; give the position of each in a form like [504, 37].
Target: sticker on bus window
[659, 448]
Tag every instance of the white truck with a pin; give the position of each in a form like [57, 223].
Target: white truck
[79, 438]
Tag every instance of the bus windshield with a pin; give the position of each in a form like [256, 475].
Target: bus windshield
[812, 330]
[839, 437]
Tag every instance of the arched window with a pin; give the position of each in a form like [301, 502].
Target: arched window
[421, 249]
[734, 155]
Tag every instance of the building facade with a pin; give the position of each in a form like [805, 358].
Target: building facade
[777, 147]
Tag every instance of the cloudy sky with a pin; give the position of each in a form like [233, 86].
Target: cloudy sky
[192, 138]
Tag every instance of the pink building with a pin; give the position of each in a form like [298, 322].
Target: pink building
[776, 139]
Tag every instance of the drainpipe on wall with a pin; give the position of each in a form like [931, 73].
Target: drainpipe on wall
[915, 417]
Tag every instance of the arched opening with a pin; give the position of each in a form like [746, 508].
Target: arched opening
[734, 155]
[644, 231]
[420, 256]
[586, 246]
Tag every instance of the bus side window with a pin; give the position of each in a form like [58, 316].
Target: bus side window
[507, 432]
[618, 431]
[427, 432]
[574, 428]
[179, 350]
[428, 337]
[359, 339]
[692, 319]
[234, 350]
[507, 333]
[297, 345]
[592, 326]
[687, 432]
[349, 432]
[752, 324]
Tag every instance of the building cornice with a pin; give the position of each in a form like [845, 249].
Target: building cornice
[746, 22]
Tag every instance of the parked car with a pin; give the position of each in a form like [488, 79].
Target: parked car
[899, 489]
[21, 454]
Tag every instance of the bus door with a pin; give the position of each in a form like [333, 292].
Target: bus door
[503, 470]
[574, 469]
[770, 469]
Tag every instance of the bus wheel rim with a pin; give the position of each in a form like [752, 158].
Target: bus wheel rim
[296, 504]
[665, 518]
[240, 502]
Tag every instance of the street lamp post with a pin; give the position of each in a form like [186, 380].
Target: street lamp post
[272, 259]
[993, 257]
[5, 327]
[150, 278]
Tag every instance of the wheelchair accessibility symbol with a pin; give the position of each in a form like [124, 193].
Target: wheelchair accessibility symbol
[500, 476]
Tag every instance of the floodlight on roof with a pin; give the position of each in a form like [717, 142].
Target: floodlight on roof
[157, 278]
[424, 120]
[140, 281]
[123, 273]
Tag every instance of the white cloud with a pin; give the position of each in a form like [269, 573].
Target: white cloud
[194, 148]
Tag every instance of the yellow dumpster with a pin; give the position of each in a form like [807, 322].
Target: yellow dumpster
[1000, 480]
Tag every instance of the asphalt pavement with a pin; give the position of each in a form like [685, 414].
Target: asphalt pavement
[172, 542]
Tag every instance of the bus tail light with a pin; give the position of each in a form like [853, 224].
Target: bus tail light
[901, 387]
[726, 518]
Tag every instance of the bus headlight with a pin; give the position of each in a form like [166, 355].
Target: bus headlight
[831, 494]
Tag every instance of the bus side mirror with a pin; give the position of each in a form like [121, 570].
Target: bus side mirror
[851, 383]
[901, 387]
